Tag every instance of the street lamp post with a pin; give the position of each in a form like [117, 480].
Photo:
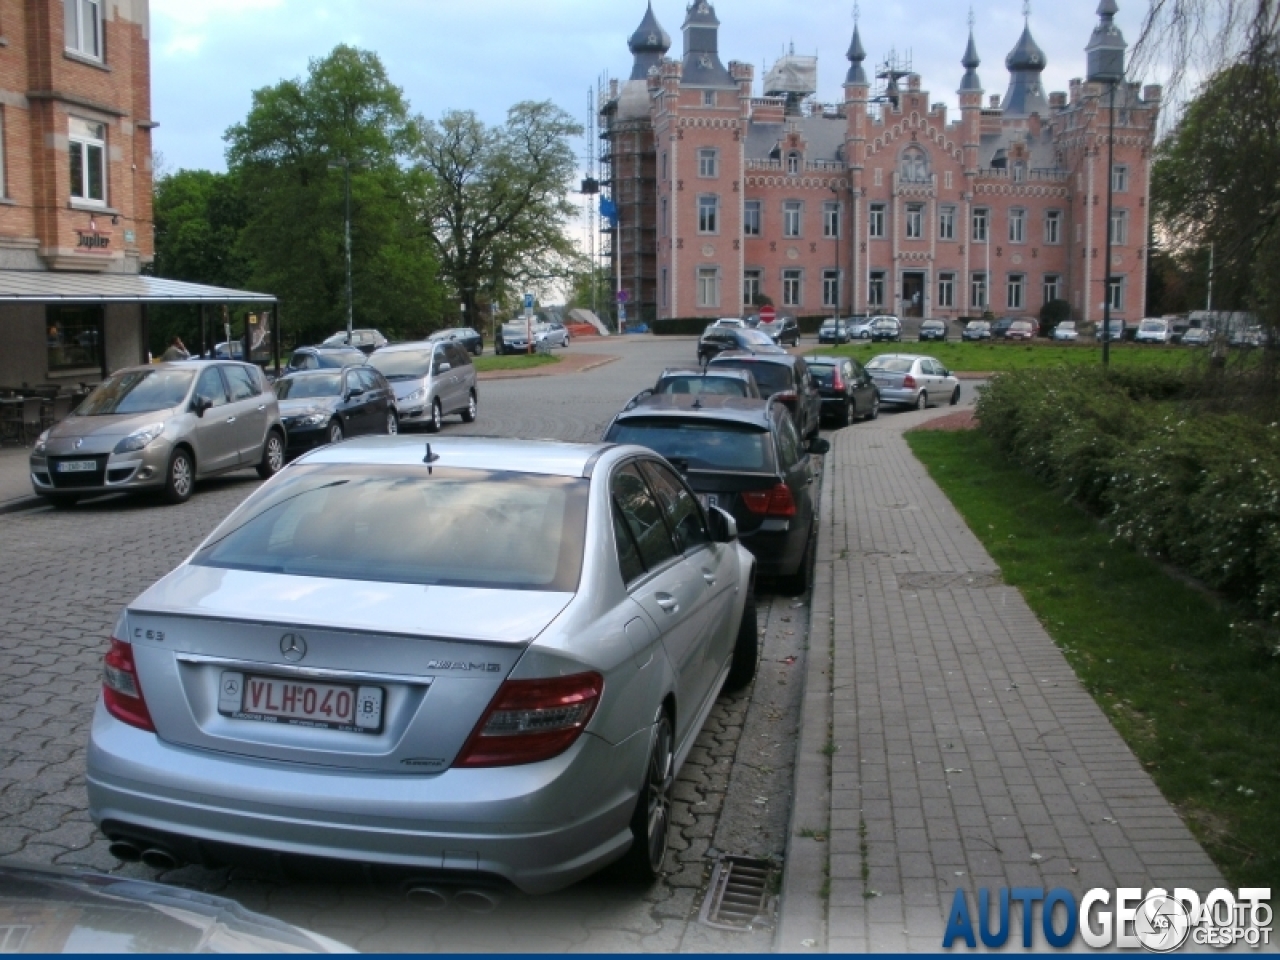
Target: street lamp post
[836, 190]
[1106, 65]
[345, 164]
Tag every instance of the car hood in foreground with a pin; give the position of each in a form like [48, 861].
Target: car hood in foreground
[461, 613]
[57, 911]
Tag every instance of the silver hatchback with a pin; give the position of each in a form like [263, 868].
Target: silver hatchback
[161, 427]
[431, 380]
[469, 659]
[911, 380]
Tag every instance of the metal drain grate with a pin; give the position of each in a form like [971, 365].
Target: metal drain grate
[739, 896]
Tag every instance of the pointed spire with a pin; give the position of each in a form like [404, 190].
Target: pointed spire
[1106, 47]
[971, 62]
[856, 56]
[1026, 61]
[649, 44]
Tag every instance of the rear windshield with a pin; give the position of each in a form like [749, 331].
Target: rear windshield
[771, 377]
[891, 364]
[822, 372]
[138, 391]
[756, 337]
[976, 325]
[700, 443]
[695, 385]
[303, 388]
[402, 364]
[464, 528]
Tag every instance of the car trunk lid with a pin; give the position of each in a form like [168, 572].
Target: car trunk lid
[724, 490]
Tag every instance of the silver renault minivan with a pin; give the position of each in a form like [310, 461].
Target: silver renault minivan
[161, 427]
[432, 379]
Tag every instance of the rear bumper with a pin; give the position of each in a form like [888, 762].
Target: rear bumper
[778, 550]
[539, 826]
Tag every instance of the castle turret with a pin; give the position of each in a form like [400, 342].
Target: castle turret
[1026, 62]
[971, 103]
[649, 44]
[702, 66]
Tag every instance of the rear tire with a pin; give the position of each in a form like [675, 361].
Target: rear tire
[335, 432]
[875, 408]
[651, 822]
[850, 413]
[922, 401]
[795, 584]
[746, 649]
[179, 478]
[272, 461]
[955, 397]
[469, 414]
[393, 423]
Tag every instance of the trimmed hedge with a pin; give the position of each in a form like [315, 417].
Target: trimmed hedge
[1200, 490]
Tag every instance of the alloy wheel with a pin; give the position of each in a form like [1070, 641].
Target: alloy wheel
[658, 784]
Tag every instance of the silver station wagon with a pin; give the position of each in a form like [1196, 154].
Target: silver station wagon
[161, 427]
[469, 659]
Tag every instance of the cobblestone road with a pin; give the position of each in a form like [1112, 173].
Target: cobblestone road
[66, 574]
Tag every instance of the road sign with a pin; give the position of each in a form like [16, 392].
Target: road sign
[528, 304]
[623, 296]
[768, 314]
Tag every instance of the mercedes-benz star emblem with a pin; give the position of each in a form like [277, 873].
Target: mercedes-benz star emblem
[79, 442]
[293, 646]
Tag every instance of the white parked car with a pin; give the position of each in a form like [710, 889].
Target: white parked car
[1066, 330]
[1154, 330]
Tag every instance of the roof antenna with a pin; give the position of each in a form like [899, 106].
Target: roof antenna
[430, 458]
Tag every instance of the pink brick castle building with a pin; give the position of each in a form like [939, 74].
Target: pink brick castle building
[881, 203]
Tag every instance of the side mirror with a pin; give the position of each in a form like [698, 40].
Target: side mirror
[818, 445]
[724, 529]
[200, 404]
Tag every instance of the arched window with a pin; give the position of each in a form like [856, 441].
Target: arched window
[793, 162]
[914, 166]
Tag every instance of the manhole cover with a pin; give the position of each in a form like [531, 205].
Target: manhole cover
[739, 897]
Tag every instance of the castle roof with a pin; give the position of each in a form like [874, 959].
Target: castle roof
[856, 56]
[702, 66]
[971, 62]
[649, 44]
[1026, 62]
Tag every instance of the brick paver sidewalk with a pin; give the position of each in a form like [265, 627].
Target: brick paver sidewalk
[946, 742]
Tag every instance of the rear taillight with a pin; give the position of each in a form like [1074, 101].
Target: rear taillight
[776, 502]
[121, 690]
[532, 720]
[837, 381]
[908, 382]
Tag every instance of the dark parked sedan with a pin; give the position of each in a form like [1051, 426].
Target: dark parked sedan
[470, 339]
[783, 377]
[327, 406]
[782, 331]
[933, 330]
[745, 457]
[847, 390]
[718, 338]
[834, 331]
[324, 358]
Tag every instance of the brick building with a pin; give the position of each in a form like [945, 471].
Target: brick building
[881, 202]
[75, 184]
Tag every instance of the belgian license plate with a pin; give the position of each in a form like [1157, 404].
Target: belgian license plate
[77, 466]
[881, 381]
[303, 703]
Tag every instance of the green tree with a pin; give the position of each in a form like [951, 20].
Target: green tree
[497, 199]
[345, 110]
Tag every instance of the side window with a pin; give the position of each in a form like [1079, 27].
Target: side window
[368, 378]
[210, 387]
[681, 508]
[459, 357]
[643, 517]
[788, 443]
[303, 361]
[936, 368]
[629, 561]
[351, 381]
[438, 358]
[241, 383]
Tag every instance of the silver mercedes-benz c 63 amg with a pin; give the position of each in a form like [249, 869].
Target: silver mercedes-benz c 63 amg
[471, 658]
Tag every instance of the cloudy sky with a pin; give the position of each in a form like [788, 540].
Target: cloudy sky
[483, 55]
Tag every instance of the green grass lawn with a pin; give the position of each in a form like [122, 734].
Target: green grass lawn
[1195, 693]
[990, 357]
[512, 362]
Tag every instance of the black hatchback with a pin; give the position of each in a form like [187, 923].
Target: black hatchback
[847, 390]
[718, 338]
[745, 457]
[783, 377]
[327, 406]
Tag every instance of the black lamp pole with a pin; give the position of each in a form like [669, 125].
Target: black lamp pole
[836, 190]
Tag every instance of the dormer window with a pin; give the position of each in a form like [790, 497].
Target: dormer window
[793, 163]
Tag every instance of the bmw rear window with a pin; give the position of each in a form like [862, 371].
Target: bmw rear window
[446, 527]
[701, 444]
[772, 377]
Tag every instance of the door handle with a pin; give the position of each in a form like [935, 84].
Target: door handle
[262, 407]
[667, 602]
[710, 577]
[231, 419]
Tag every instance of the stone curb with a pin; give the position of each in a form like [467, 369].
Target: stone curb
[21, 505]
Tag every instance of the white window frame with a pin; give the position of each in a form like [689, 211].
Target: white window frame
[1053, 227]
[708, 98]
[708, 162]
[792, 218]
[1015, 291]
[1052, 287]
[1017, 225]
[752, 216]
[708, 286]
[875, 221]
[1120, 178]
[84, 137]
[830, 287]
[1115, 290]
[1119, 227]
[84, 43]
[946, 223]
[946, 289]
[978, 290]
[793, 163]
[915, 221]
[831, 219]
[875, 288]
[708, 213]
[752, 285]
[981, 225]
[792, 287]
